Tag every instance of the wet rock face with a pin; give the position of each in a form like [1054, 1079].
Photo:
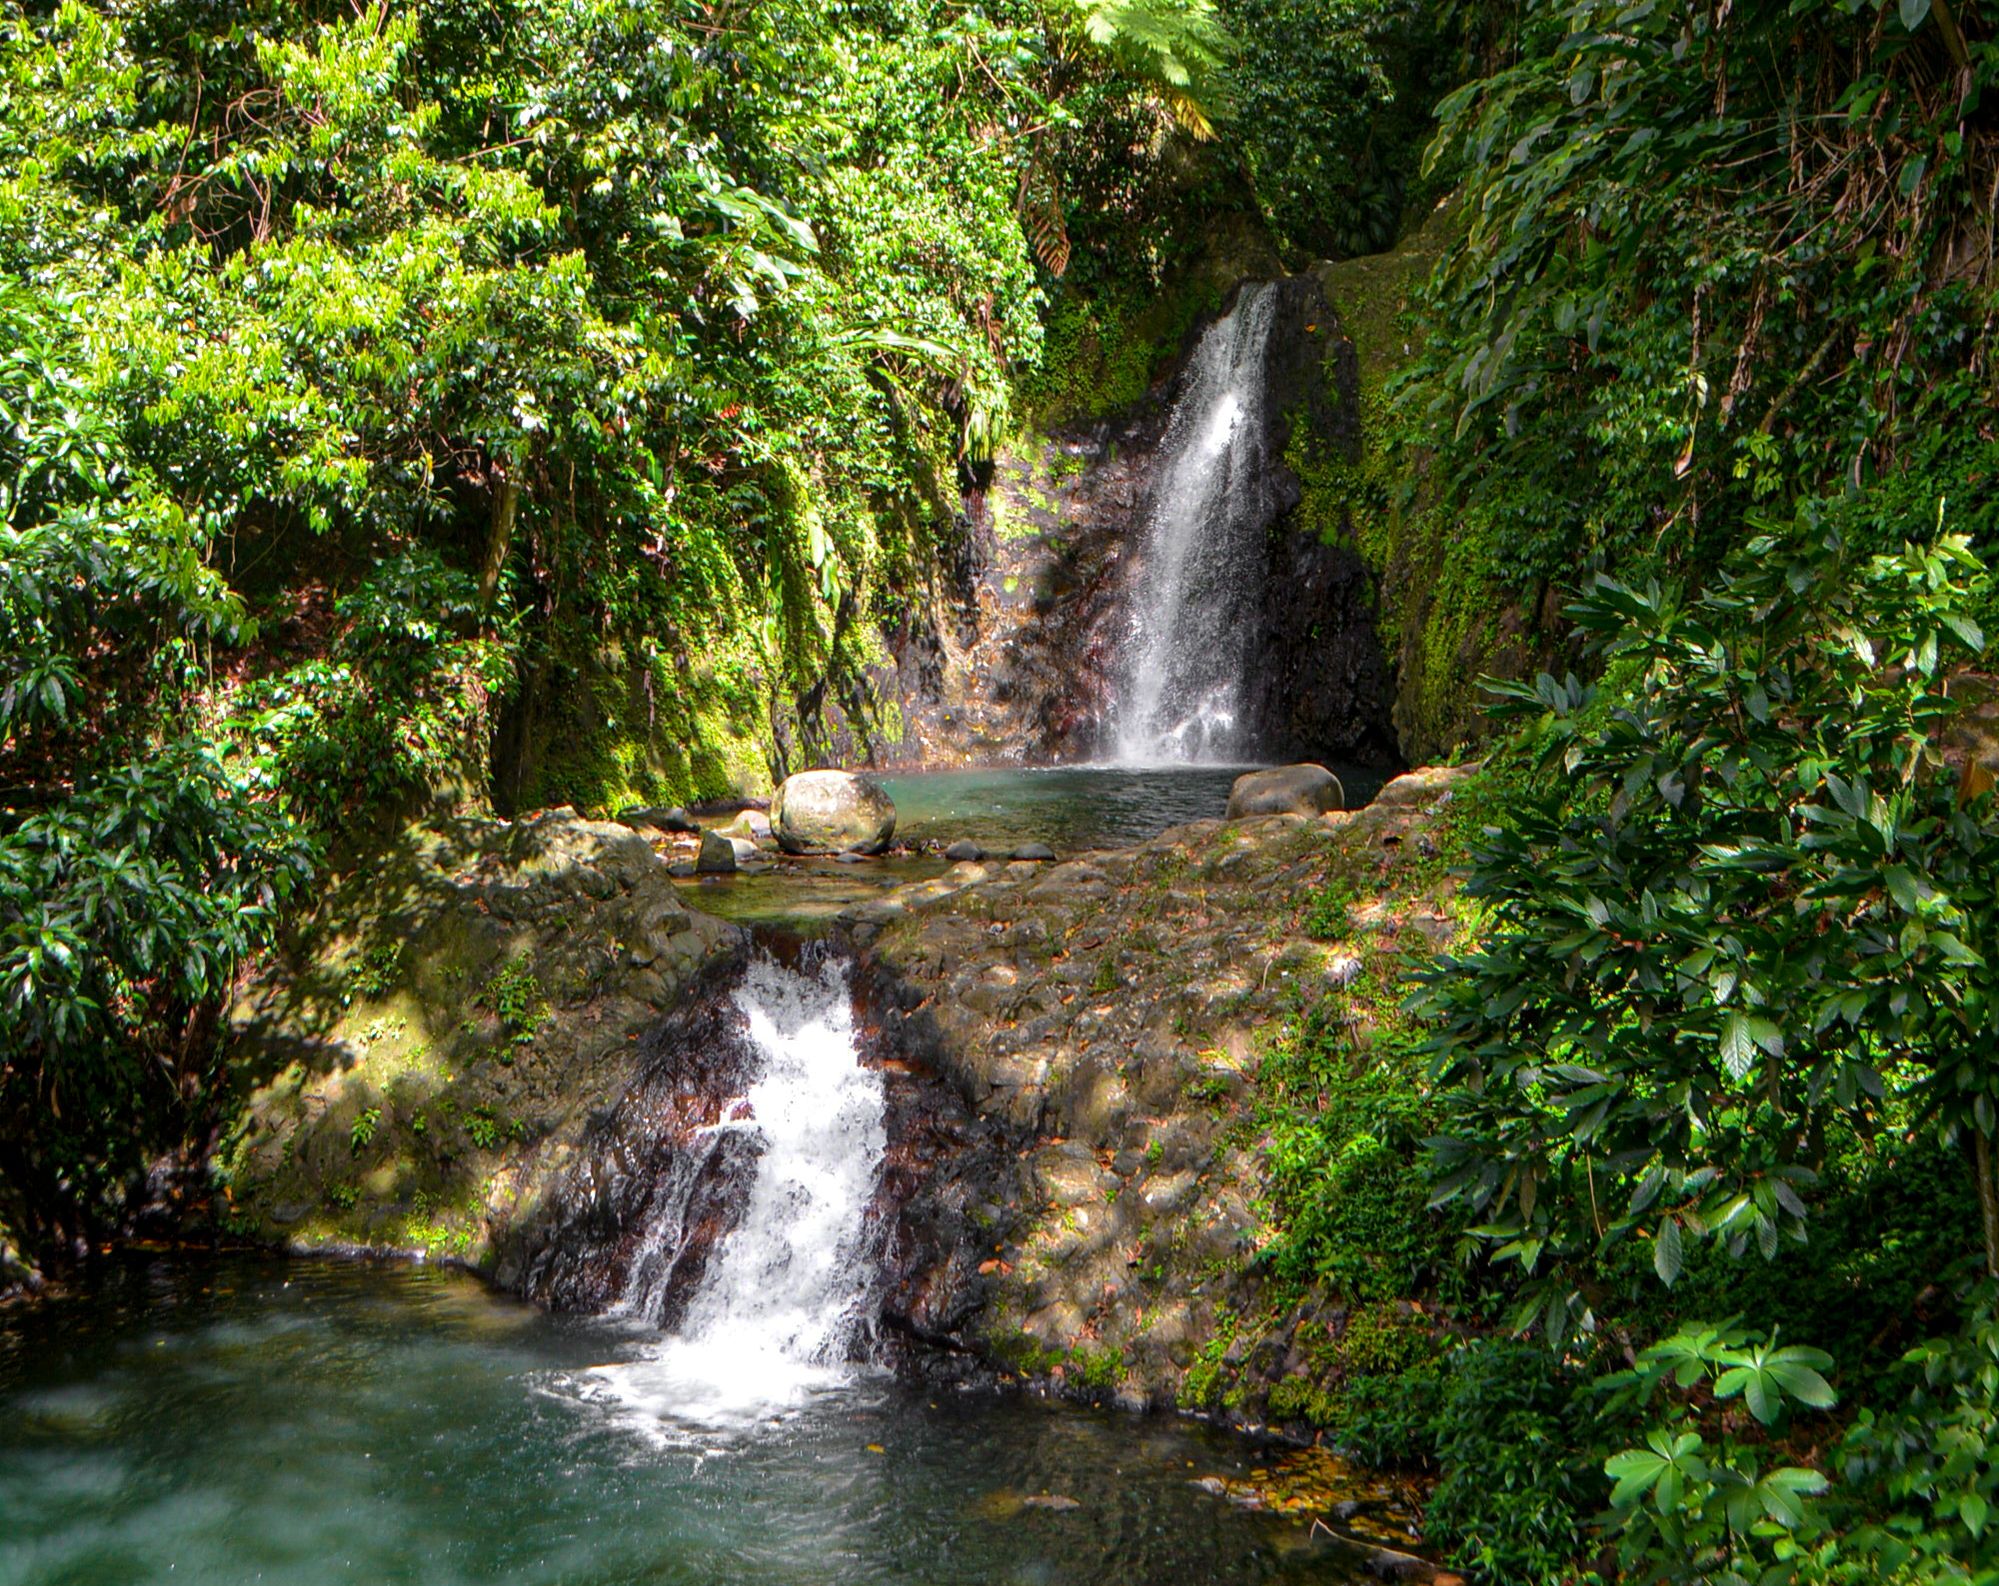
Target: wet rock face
[1022, 666]
[1082, 1180]
[1019, 671]
[831, 812]
[428, 1052]
[648, 1190]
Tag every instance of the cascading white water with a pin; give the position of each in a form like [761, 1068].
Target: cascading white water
[785, 1292]
[1190, 610]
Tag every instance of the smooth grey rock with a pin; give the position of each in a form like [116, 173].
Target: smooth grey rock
[1286, 790]
[717, 856]
[831, 812]
[745, 849]
[965, 850]
[660, 818]
[1039, 852]
[681, 869]
[749, 825]
[852, 857]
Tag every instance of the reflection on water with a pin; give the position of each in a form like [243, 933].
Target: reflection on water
[232, 1421]
[1068, 807]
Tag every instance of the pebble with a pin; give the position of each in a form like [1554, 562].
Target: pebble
[963, 850]
[1035, 851]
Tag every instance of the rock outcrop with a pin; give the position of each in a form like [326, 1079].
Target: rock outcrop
[1024, 668]
[428, 1054]
[1099, 1026]
[1286, 790]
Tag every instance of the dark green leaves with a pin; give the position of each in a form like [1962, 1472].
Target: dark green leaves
[1748, 891]
[1667, 1255]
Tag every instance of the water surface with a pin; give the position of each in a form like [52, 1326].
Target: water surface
[240, 1421]
[1071, 809]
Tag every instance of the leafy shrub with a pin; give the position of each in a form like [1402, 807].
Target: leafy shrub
[1755, 896]
[1512, 1448]
[378, 972]
[1345, 1126]
[484, 1129]
[397, 708]
[516, 996]
[1329, 916]
[124, 911]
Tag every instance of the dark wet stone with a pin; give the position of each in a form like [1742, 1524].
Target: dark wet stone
[660, 818]
[717, 856]
[1286, 790]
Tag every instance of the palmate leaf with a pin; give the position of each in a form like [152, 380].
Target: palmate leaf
[1663, 1467]
[1765, 1375]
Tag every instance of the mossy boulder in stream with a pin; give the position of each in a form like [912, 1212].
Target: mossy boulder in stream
[831, 812]
[425, 1056]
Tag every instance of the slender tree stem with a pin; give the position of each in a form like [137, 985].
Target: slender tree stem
[1988, 1198]
[506, 502]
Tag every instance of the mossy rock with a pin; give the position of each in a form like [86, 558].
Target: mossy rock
[427, 1049]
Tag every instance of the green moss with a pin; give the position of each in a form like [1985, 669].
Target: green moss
[1301, 1399]
[1202, 1386]
[1102, 351]
[1023, 1354]
[1329, 916]
[1097, 1369]
[1441, 600]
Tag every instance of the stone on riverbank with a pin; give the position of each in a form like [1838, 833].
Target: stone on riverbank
[659, 818]
[1286, 790]
[717, 857]
[831, 812]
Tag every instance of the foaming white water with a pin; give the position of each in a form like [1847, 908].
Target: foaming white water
[784, 1296]
[1190, 611]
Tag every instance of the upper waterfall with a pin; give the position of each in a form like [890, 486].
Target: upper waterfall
[1191, 604]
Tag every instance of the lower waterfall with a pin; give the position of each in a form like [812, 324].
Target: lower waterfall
[782, 1303]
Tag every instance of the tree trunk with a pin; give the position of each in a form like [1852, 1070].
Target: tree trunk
[1988, 1198]
[506, 505]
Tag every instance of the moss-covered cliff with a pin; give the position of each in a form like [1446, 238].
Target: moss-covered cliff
[1444, 615]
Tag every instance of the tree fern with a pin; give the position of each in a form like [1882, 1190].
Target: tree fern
[1179, 47]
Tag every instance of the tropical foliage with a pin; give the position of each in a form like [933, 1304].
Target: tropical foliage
[443, 401]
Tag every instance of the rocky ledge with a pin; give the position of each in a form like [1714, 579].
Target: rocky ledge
[1101, 1025]
[429, 1055]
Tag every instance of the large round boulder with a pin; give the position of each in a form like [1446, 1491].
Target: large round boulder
[831, 812]
[1286, 790]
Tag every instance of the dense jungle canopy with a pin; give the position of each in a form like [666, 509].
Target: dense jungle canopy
[500, 404]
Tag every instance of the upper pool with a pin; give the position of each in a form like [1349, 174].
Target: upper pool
[1070, 809]
[1073, 808]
